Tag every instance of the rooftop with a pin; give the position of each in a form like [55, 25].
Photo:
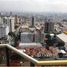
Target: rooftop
[63, 37]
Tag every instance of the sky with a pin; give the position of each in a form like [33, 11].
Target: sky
[34, 5]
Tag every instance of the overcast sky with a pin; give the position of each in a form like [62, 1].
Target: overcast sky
[34, 5]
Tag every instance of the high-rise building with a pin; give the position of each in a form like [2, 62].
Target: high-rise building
[1, 20]
[48, 26]
[2, 31]
[2, 28]
[32, 22]
[17, 20]
[39, 36]
[12, 21]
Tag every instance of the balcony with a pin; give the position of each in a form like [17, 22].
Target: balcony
[11, 56]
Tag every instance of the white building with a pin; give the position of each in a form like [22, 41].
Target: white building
[2, 28]
[6, 25]
[10, 23]
[2, 31]
[63, 37]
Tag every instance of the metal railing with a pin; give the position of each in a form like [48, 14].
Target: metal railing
[31, 59]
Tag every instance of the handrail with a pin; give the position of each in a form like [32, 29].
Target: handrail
[50, 62]
[19, 52]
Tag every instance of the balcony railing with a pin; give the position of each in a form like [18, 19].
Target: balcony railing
[29, 58]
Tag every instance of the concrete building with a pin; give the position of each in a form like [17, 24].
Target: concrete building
[26, 37]
[48, 26]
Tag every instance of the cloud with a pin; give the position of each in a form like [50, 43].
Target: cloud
[34, 5]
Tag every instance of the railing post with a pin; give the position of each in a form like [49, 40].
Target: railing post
[32, 64]
[7, 56]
